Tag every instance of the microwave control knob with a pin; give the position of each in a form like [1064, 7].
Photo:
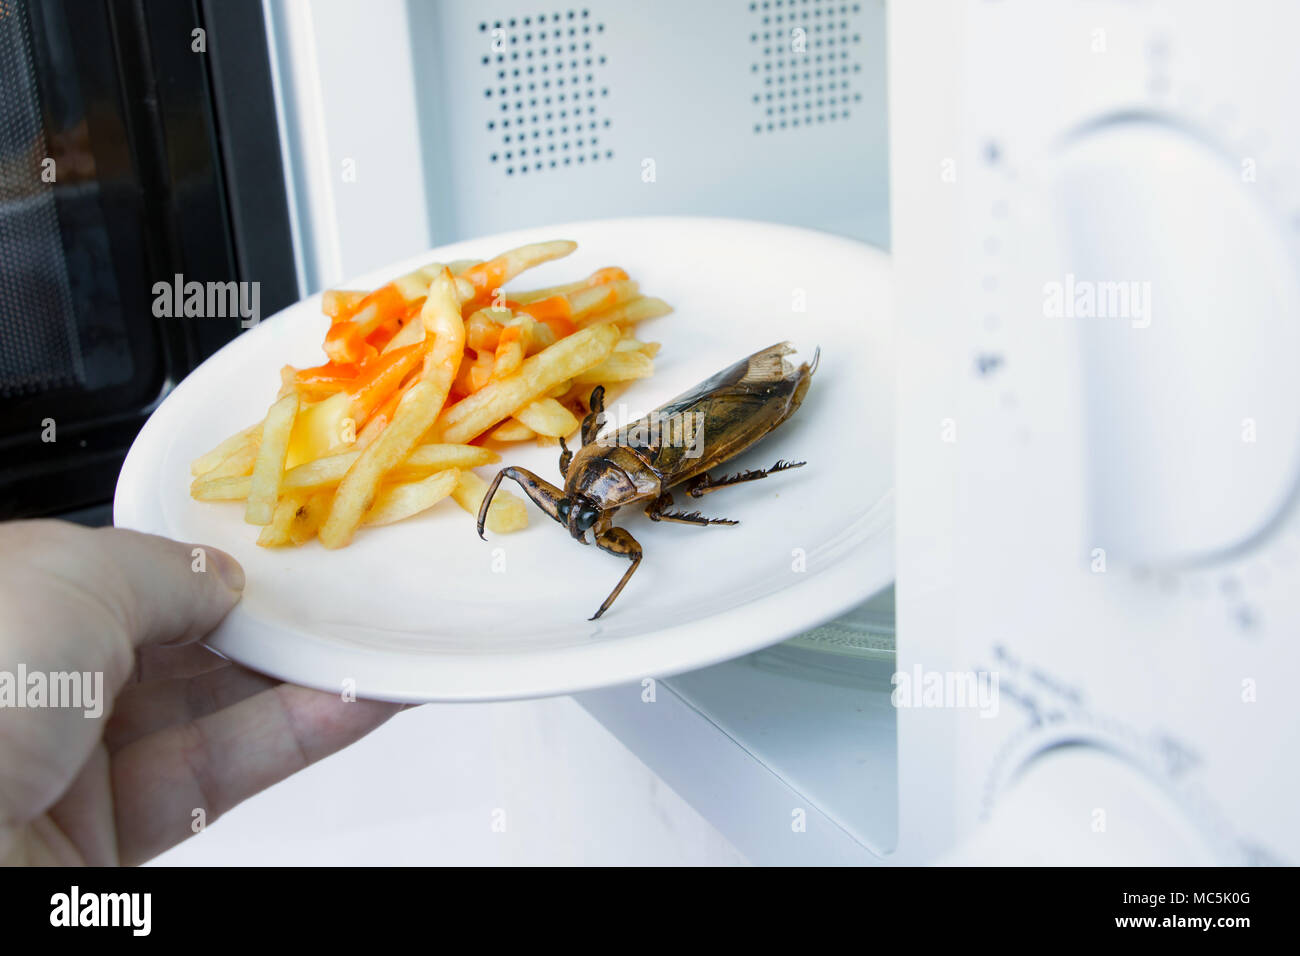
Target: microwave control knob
[1081, 805]
[1180, 281]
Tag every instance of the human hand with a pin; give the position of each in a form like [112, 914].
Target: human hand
[181, 729]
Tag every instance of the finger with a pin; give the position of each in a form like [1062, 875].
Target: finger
[156, 662]
[215, 762]
[84, 814]
[143, 709]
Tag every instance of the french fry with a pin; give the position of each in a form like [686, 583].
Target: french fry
[370, 431]
[232, 488]
[409, 334]
[415, 369]
[276, 534]
[311, 392]
[383, 380]
[288, 381]
[240, 462]
[324, 473]
[488, 277]
[578, 397]
[540, 336]
[206, 462]
[548, 417]
[629, 343]
[480, 371]
[509, 353]
[587, 302]
[511, 430]
[397, 501]
[619, 367]
[483, 328]
[434, 457]
[465, 377]
[554, 313]
[335, 302]
[348, 339]
[296, 519]
[416, 412]
[345, 340]
[506, 513]
[313, 384]
[415, 284]
[308, 518]
[567, 358]
[268, 470]
[599, 277]
[629, 313]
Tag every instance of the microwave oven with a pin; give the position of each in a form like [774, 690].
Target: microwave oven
[1090, 213]
[1079, 520]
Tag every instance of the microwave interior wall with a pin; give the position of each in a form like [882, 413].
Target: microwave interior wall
[527, 115]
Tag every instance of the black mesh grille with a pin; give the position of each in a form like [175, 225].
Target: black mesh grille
[39, 349]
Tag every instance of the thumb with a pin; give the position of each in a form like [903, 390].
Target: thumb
[122, 587]
[166, 591]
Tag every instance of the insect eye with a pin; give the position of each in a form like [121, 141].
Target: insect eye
[563, 506]
[586, 518]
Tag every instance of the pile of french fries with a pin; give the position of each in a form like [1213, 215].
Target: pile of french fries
[424, 376]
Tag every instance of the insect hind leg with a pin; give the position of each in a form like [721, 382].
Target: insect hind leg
[655, 512]
[702, 484]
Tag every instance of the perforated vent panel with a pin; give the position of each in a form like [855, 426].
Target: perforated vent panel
[543, 91]
[807, 58]
[659, 108]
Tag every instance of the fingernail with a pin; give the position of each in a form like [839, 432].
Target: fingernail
[232, 574]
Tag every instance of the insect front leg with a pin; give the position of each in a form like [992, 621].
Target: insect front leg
[655, 512]
[703, 484]
[544, 494]
[617, 541]
[596, 417]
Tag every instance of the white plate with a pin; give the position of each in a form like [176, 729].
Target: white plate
[423, 610]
